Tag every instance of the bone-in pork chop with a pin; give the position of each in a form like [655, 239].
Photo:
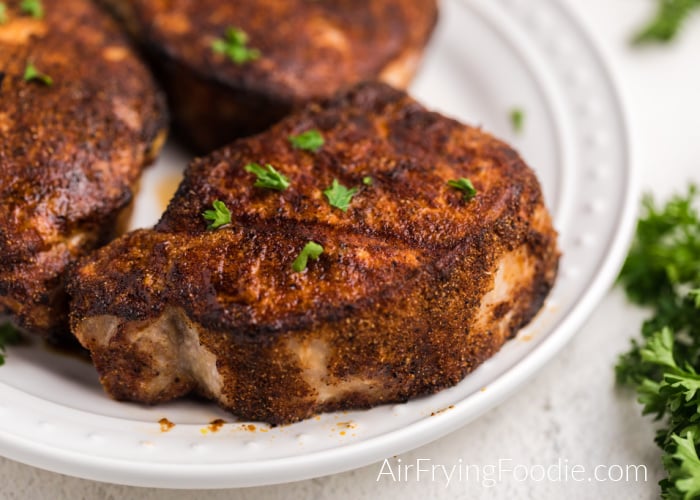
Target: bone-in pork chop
[403, 293]
[80, 116]
[232, 68]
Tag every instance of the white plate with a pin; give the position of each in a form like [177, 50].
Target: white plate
[487, 57]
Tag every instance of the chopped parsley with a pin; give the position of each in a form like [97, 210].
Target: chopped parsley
[234, 45]
[3, 13]
[339, 196]
[8, 335]
[665, 25]
[311, 250]
[311, 140]
[367, 181]
[464, 185]
[517, 119]
[33, 74]
[32, 7]
[219, 216]
[268, 177]
[662, 272]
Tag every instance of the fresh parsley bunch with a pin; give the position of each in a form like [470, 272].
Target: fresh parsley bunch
[662, 272]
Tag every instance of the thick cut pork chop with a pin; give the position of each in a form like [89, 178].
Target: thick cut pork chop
[296, 50]
[71, 148]
[415, 286]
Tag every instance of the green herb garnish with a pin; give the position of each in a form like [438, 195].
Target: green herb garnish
[517, 119]
[32, 7]
[33, 74]
[311, 250]
[3, 13]
[219, 216]
[339, 196]
[234, 45]
[464, 185]
[665, 25]
[311, 140]
[268, 177]
[662, 272]
[8, 336]
[367, 181]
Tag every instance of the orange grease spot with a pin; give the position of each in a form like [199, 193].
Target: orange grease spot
[165, 424]
[216, 425]
[166, 190]
[442, 410]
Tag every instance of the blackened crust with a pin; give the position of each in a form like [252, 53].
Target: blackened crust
[415, 288]
[70, 152]
[309, 50]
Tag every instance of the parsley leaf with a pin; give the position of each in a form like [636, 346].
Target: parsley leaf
[3, 13]
[234, 46]
[8, 335]
[268, 177]
[695, 295]
[684, 466]
[662, 271]
[464, 185]
[311, 250]
[664, 251]
[311, 140]
[219, 216]
[33, 74]
[367, 181]
[517, 119]
[669, 18]
[32, 7]
[339, 196]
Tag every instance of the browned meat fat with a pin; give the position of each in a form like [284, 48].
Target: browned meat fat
[415, 286]
[71, 148]
[307, 50]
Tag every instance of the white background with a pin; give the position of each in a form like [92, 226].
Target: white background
[572, 409]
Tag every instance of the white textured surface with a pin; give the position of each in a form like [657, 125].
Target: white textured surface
[571, 410]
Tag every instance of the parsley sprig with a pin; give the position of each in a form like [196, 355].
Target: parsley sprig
[33, 8]
[339, 196]
[8, 336]
[268, 177]
[311, 140]
[665, 25]
[517, 120]
[234, 45]
[662, 271]
[32, 74]
[219, 216]
[311, 250]
[464, 185]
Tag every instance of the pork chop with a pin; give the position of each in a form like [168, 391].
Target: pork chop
[418, 281]
[80, 116]
[272, 55]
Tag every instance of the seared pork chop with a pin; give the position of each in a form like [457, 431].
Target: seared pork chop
[272, 55]
[416, 284]
[79, 117]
